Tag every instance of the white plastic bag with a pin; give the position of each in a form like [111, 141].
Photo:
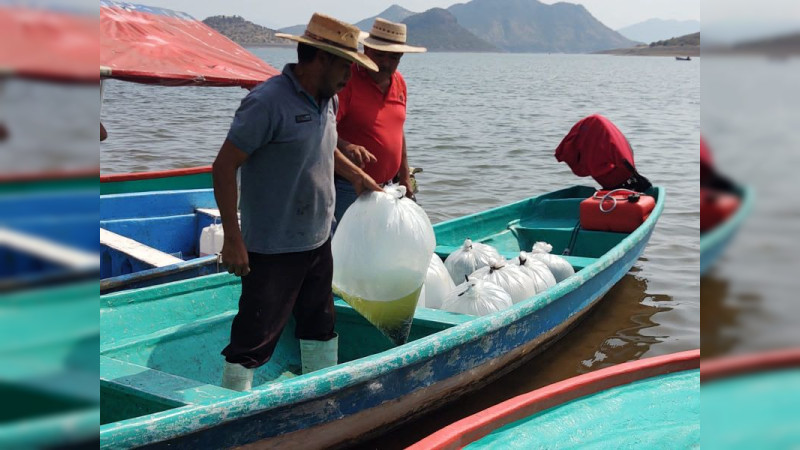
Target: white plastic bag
[517, 283]
[559, 266]
[437, 284]
[538, 270]
[469, 258]
[477, 298]
[381, 252]
[421, 300]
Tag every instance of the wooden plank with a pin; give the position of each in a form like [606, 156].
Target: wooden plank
[213, 212]
[142, 252]
[48, 250]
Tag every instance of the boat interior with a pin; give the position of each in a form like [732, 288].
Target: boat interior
[552, 218]
[173, 359]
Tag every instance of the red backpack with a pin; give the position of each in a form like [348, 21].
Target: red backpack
[595, 147]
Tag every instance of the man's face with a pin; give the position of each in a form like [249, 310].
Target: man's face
[335, 74]
[387, 61]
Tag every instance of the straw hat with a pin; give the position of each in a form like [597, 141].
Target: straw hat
[333, 36]
[390, 37]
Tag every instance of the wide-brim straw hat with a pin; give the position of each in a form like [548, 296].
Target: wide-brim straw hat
[333, 36]
[389, 37]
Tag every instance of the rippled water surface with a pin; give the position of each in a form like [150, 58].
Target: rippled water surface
[484, 128]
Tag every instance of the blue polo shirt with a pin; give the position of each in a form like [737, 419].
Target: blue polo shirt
[287, 193]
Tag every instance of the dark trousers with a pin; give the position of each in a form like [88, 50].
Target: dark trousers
[277, 286]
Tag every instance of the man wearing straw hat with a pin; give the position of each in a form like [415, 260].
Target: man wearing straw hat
[372, 111]
[283, 137]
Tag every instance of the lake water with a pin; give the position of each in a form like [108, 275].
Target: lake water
[484, 128]
[751, 112]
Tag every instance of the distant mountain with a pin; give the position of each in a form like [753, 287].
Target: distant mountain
[394, 13]
[532, 26]
[690, 40]
[438, 30]
[688, 45]
[296, 30]
[244, 32]
[659, 29]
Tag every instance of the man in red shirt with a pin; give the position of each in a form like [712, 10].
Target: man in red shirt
[372, 111]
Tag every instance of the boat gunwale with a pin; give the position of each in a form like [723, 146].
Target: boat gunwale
[134, 176]
[476, 426]
[314, 385]
[732, 366]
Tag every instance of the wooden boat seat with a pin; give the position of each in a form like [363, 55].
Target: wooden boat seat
[213, 213]
[48, 250]
[210, 212]
[137, 250]
[169, 390]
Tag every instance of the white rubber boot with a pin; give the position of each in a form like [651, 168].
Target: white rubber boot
[316, 355]
[237, 377]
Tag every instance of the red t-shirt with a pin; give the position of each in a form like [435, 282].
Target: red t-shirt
[372, 119]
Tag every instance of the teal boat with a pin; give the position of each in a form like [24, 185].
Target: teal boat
[160, 366]
[48, 367]
[750, 401]
[651, 403]
[714, 242]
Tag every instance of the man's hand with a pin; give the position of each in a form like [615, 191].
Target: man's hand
[364, 182]
[234, 256]
[359, 155]
[406, 181]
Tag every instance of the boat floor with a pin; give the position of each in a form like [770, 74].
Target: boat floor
[181, 365]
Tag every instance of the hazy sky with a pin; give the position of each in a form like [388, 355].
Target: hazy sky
[281, 13]
[737, 20]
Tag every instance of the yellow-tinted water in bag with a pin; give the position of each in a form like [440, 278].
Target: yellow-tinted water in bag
[393, 318]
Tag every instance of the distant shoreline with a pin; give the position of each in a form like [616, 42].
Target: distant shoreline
[287, 45]
[670, 51]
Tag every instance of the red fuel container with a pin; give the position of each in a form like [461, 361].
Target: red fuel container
[715, 207]
[620, 210]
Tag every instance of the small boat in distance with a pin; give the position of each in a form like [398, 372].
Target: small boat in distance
[681, 58]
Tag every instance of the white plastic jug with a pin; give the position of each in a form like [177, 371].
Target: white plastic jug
[211, 239]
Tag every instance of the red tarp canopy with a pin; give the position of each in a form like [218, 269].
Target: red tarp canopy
[159, 46]
[49, 45]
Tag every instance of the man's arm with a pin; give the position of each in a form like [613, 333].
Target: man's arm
[404, 174]
[360, 180]
[356, 153]
[234, 252]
